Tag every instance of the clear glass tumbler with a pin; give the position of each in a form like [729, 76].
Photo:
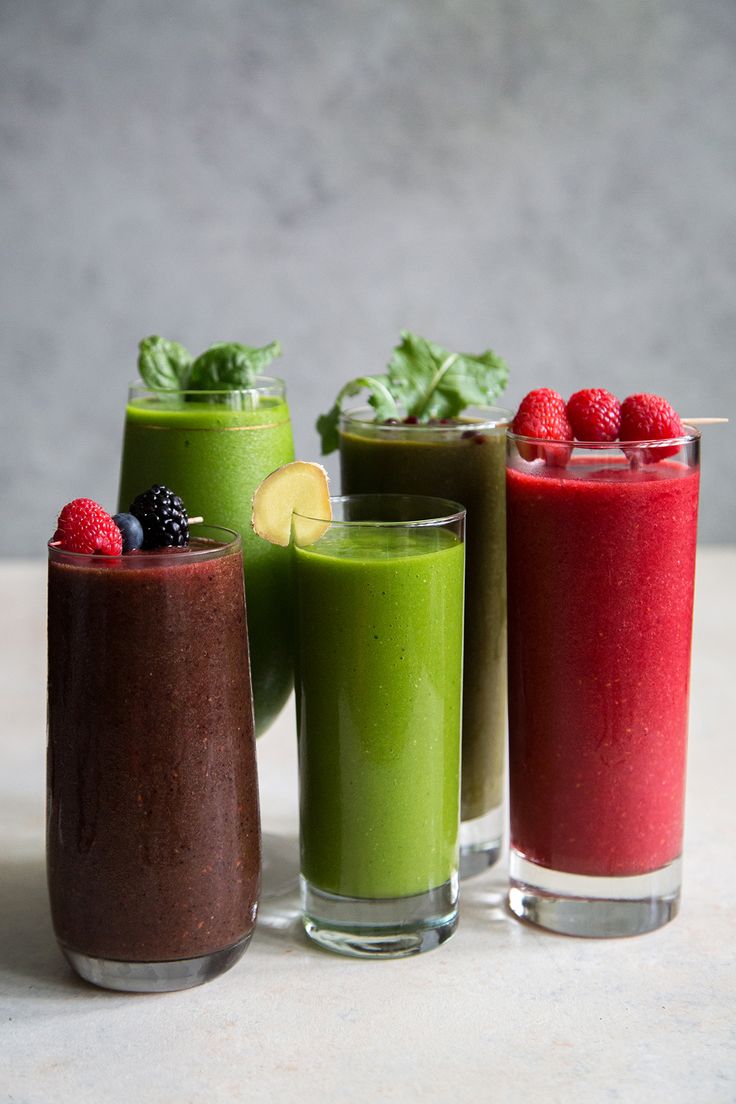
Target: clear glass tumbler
[153, 830]
[213, 448]
[379, 684]
[601, 560]
[463, 460]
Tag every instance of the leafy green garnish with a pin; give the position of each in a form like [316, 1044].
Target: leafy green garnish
[381, 399]
[425, 380]
[163, 365]
[229, 366]
[167, 366]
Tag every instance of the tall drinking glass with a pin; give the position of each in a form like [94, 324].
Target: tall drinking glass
[601, 558]
[463, 460]
[379, 681]
[153, 831]
[213, 448]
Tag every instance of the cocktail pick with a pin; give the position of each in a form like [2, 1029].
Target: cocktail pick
[689, 421]
[704, 421]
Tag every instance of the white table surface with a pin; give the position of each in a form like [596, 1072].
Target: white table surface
[502, 1012]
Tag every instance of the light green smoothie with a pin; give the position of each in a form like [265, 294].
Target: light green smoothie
[214, 455]
[379, 676]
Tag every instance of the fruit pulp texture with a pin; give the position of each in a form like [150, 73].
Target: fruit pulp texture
[214, 458]
[379, 674]
[153, 832]
[600, 566]
[469, 470]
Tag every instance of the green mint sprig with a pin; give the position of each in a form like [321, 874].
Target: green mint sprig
[424, 379]
[228, 366]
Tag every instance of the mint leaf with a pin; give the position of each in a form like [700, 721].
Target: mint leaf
[230, 366]
[426, 380]
[435, 383]
[381, 399]
[163, 365]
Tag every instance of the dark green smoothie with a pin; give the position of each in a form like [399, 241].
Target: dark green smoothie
[213, 449]
[464, 460]
[379, 674]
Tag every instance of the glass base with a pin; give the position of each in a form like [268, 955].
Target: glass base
[155, 977]
[578, 904]
[380, 928]
[480, 842]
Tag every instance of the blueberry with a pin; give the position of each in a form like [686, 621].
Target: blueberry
[131, 529]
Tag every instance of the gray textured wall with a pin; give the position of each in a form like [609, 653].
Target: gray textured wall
[551, 177]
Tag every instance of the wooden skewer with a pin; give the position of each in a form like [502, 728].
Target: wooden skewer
[690, 421]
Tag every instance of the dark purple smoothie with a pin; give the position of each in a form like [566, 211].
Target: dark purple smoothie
[153, 833]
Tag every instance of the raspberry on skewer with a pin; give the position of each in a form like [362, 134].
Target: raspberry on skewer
[594, 414]
[542, 415]
[650, 418]
[83, 526]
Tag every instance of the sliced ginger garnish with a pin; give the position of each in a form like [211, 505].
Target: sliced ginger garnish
[293, 499]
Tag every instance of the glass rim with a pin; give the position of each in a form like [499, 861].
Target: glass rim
[688, 438]
[260, 385]
[457, 512]
[501, 422]
[157, 555]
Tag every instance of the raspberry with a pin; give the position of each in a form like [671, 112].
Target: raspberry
[650, 418]
[542, 414]
[83, 526]
[163, 517]
[543, 396]
[595, 415]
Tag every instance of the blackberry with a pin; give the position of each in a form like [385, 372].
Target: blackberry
[163, 517]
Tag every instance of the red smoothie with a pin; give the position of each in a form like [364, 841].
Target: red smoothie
[601, 561]
[153, 823]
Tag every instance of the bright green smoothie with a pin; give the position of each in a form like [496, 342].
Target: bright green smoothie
[379, 677]
[214, 457]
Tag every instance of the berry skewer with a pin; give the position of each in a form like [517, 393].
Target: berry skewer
[156, 519]
[688, 421]
[595, 414]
